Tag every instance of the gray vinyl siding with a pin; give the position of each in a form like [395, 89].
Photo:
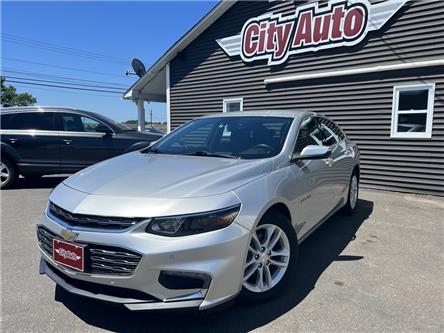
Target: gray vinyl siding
[203, 75]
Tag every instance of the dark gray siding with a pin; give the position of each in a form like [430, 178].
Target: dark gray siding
[203, 75]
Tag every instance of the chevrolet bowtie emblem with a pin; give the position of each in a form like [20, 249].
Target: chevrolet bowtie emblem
[69, 235]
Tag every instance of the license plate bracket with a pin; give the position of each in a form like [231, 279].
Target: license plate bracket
[69, 254]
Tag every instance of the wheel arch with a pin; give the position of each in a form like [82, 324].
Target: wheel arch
[9, 153]
[357, 169]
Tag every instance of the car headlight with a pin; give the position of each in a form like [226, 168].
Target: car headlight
[183, 225]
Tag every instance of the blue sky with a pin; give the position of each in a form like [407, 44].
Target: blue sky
[117, 29]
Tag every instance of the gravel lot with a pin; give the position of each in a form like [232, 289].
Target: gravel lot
[380, 270]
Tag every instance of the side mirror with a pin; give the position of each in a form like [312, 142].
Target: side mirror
[313, 152]
[104, 129]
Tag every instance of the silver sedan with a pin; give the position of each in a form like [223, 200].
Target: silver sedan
[212, 211]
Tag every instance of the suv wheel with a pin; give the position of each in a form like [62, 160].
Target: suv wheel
[8, 173]
[271, 258]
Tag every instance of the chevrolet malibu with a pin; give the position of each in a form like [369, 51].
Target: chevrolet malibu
[213, 211]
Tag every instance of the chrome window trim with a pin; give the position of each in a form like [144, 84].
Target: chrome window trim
[31, 132]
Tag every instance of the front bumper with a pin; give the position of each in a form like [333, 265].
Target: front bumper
[218, 255]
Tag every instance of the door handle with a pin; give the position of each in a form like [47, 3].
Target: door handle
[68, 142]
[13, 140]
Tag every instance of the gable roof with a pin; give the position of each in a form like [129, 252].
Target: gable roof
[155, 75]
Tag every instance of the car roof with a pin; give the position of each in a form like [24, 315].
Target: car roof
[263, 113]
[39, 108]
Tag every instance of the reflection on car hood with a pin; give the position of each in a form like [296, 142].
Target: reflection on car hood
[167, 176]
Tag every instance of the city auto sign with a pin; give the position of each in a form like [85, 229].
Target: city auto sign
[340, 23]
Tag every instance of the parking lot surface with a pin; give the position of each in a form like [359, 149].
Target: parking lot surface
[380, 270]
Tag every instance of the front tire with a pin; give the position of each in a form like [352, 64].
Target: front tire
[353, 194]
[271, 258]
[8, 173]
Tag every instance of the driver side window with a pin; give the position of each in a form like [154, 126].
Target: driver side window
[309, 134]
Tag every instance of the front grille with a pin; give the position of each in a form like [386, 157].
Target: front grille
[91, 221]
[99, 259]
[97, 288]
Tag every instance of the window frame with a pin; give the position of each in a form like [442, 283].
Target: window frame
[15, 115]
[316, 119]
[427, 134]
[59, 123]
[226, 101]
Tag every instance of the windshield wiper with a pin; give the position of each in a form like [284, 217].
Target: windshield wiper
[151, 150]
[208, 154]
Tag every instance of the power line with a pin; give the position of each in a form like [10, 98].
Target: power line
[63, 87]
[20, 85]
[37, 43]
[61, 67]
[32, 43]
[65, 83]
[35, 74]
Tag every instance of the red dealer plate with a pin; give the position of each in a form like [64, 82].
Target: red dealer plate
[68, 254]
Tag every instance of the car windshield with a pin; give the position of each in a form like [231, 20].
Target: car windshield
[246, 137]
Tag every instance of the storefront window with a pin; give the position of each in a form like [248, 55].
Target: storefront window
[233, 104]
[412, 114]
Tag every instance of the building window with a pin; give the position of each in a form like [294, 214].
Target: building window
[412, 115]
[233, 104]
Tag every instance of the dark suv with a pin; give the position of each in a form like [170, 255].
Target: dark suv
[37, 141]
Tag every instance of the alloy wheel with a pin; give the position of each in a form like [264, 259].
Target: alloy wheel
[268, 258]
[353, 191]
[4, 173]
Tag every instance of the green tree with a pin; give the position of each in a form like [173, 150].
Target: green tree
[9, 97]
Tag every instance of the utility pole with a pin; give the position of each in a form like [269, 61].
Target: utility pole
[151, 117]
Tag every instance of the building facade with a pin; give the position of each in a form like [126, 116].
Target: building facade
[376, 68]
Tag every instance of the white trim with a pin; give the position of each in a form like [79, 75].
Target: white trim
[140, 115]
[429, 111]
[168, 97]
[233, 100]
[374, 69]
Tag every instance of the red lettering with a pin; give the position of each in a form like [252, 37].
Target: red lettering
[338, 14]
[282, 39]
[262, 40]
[270, 36]
[303, 32]
[353, 22]
[321, 28]
[250, 43]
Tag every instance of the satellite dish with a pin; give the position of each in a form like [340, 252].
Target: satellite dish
[138, 67]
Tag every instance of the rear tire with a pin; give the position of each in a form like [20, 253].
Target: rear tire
[8, 173]
[353, 195]
[266, 272]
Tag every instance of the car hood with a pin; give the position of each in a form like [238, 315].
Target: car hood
[167, 176]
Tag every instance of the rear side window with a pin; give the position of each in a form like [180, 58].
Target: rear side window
[332, 134]
[43, 121]
[71, 122]
[5, 121]
[309, 134]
